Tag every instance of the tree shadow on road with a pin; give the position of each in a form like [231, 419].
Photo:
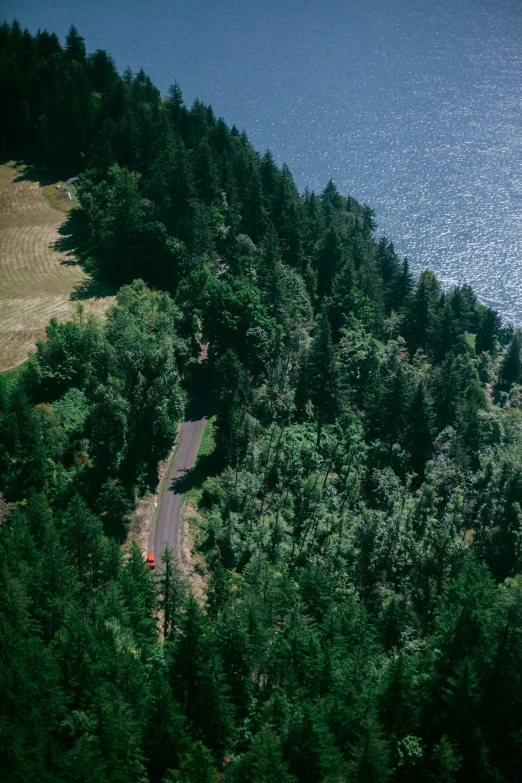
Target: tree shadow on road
[202, 395]
[202, 392]
[207, 465]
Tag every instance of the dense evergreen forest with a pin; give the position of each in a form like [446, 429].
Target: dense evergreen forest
[362, 529]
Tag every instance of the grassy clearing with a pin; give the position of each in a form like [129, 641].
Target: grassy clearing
[204, 463]
[11, 377]
[55, 191]
[39, 274]
[208, 441]
[57, 198]
[191, 518]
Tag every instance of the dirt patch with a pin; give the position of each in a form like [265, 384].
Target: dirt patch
[192, 561]
[39, 277]
[141, 521]
[5, 509]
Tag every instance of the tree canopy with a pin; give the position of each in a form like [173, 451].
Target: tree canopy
[358, 538]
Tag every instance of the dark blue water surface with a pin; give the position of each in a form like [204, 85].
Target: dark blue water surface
[413, 106]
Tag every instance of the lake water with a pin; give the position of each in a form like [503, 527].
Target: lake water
[413, 106]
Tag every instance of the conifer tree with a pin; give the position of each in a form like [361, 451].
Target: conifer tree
[269, 273]
[446, 761]
[165, 736]
[140, 597]
[322, 377]
[229, 414]
[114, 504]
[237, 664]
[421, 313]
[402, 287]
[310, 747]
[23, 449]
[264, 763]
[489, 326]
[171, 590]
[74, 45]
[270, 177]
[328, 260]
[197, 679]
[511, 368]
[389, 271]
[399, 700]
[175, 105]
[331, 199]
[420, 431]
[391, 407]
[446, 334]
[82, 534]
[371, 763]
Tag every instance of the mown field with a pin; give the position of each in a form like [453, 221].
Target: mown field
[39, 275]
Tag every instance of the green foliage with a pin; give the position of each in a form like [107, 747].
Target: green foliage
[361, 544]
[511, 369]
[264, 763]
[171, 590]
[196, 767]
[197, 679]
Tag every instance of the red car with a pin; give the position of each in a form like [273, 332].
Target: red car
[151, 561]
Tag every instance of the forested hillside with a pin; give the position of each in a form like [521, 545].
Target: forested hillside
[362, 530]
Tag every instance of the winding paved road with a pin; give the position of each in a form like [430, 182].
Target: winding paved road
[167, 529]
